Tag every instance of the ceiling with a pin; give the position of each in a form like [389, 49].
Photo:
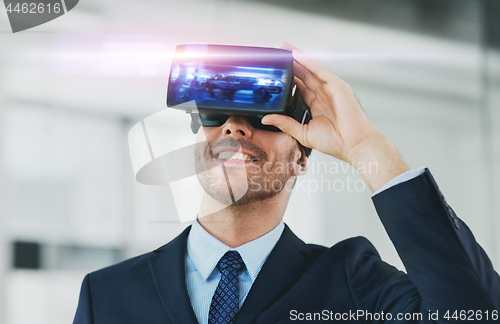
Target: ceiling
[112, 57]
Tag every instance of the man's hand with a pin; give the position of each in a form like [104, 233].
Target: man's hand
[339, 127]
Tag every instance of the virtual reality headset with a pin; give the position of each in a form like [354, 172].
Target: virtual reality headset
[229, 81]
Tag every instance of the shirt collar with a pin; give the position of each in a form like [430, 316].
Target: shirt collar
[205, 251]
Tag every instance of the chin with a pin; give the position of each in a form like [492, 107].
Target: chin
[242, 193]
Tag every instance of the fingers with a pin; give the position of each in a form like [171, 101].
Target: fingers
[307, 94]
[307, 77]
[286, 124]
[288, 46]
[318, 102]
[317, 68]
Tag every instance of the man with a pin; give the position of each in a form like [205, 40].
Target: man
[242, 264]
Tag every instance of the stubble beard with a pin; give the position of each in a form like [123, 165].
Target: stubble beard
[264, 179]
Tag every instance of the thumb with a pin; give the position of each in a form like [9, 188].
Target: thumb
[286, 124]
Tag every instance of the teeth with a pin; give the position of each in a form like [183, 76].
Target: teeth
[235, 156]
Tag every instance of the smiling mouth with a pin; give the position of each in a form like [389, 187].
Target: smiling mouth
[235, 156]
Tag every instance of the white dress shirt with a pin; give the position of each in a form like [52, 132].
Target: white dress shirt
[204, 252]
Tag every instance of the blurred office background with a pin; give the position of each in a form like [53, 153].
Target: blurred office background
[426, 72]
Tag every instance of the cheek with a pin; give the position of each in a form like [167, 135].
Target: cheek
[254, 169]
[275, 143]
[283, 146]
[280, 152]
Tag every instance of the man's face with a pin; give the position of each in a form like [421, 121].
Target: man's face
[268, 161]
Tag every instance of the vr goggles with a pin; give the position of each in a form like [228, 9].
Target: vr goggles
[234, 80]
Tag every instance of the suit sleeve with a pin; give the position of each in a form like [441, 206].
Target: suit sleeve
[448, 268]
[84, 310]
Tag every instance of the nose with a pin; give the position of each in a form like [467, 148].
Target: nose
[237, 126]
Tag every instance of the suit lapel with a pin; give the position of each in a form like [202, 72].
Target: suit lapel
[282, 268]
[167, 268]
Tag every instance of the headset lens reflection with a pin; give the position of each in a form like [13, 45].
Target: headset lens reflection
[230, 77]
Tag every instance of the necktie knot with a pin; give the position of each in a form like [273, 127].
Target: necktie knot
[231, 260]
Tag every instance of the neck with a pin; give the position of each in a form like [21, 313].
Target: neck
[236, 225]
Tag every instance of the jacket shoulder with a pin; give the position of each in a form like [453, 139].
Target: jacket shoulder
[129, 265]
[351, 251]
[351, 246]
[361, 258]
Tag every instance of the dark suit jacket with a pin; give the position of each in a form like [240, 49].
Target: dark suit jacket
[447, 271]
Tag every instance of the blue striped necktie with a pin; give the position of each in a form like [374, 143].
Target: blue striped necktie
[225, 302]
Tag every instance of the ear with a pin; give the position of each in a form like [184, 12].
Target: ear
[300, 161]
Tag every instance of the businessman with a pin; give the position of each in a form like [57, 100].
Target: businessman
[242, 264]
